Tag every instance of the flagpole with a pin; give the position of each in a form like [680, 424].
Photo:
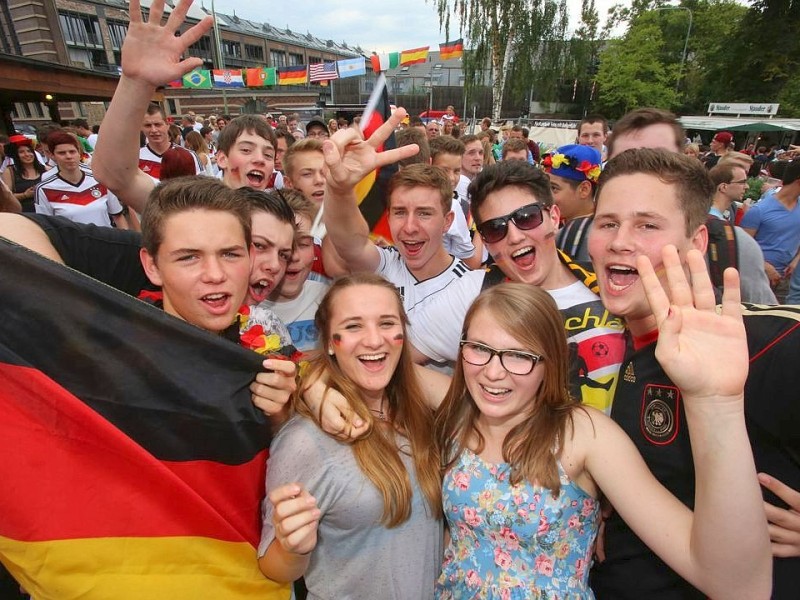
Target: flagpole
[220, 58]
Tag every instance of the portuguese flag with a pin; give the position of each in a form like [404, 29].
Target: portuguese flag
[131, 458]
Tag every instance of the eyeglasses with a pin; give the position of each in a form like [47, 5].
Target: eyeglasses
[515, 362]
[529, 216]
[318, 134]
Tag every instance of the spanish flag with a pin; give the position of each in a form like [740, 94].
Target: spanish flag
[296, 75]
[131, 458]
[451, 50]
[415, 56]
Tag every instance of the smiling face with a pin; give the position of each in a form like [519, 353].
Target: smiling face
[299, 267]
[250, 162]
[527, 256]
[451, 163]
[636, 215]
[26, 155]
[307, 175]
[366, 337]
[418, 224]
[272, 250]
[202, 266]
[503, 399]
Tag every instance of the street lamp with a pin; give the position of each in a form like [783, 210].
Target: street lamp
[686, 41]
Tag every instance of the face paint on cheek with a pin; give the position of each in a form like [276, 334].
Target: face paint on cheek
[336, 338]
[398, 339]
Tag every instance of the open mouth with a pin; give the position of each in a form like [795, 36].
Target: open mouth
[413, 248]
[497, 393]
[373, 362]
[218, 302]
[256, 179]
[318, 196]
[260, 290]
[524, 257]
[621, 277]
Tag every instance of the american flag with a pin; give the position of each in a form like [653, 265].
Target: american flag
[323, 71]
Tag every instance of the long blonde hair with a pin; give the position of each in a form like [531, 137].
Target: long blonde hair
[533, 446]
[376, 450]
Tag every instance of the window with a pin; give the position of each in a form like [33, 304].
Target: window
[231, 49]
[277, 58]
[202, 49]
[295, 59]
[20, 110]
[312, 60]
[253, 52]
[80, 30]
[117, 31]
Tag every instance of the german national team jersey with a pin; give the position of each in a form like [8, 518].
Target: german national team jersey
[87, 201]
[649, 407]
[150, 161]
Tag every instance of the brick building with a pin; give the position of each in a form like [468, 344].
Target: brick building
[81, 41]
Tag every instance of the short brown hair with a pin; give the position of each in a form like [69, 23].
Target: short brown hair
[241, 124]
[414, 135]
[57, 138]
[644, 117]
[445, 144]
[590, 119]
[693, 186]
[190, 193]
[723, 173]
[422, 176]
[299, 147]
[513, 173]
[514, 145]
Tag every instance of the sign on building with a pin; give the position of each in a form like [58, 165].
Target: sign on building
[742, 108]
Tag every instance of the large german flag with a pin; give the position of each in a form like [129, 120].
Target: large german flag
[131, 458]
[371, 191]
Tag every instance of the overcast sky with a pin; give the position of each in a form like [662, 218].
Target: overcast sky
[379, 26]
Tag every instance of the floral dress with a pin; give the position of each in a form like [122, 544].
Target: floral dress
[518, 541]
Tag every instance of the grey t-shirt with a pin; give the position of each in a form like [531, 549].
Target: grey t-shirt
[356, 556]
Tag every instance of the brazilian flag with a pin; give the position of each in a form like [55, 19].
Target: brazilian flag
[132, 460]
[198, 79]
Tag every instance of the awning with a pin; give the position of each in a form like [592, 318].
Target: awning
[737, 124]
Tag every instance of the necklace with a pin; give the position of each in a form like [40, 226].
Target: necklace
[379, 411]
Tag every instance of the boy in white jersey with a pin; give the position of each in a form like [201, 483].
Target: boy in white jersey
[419, 199]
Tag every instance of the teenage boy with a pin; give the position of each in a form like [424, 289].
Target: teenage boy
[300, 291]
[156, 131]
[646, 200]
[471, 164]
[419, 212]
[573, 171]
[302, 169]
[446, 153]
[246, 151]
[593, 131]
[72, 191]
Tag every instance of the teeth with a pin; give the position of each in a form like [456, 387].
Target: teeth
[372, 357]
[496, 391]
[522, 251]
[214, 297]
[620, 269]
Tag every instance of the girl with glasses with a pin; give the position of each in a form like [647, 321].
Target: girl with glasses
[525, 464]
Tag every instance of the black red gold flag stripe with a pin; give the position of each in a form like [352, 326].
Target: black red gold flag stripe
[131, 458]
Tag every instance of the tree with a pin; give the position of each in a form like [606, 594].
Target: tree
[502, 33]
[632, 72]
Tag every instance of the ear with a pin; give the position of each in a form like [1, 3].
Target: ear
[700, 238]
[222, 160]
[448, 221]
[555, 215]
[287, 182]
[585, 189]
[150, 267]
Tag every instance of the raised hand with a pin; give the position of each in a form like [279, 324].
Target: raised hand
[703, 350]
[295, 518]
[151, 52]
[349, 158]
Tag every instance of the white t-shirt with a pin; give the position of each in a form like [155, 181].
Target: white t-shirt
[393, 268]
[457, 240]
[298, 314]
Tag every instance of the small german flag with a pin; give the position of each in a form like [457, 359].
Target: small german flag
[296, 75]
[131, 457]
[414, 56]
[451, 50]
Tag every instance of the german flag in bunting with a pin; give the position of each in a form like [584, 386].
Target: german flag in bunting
[131, 457]
[451, 50]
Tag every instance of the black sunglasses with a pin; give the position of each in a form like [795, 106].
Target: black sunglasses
[529, 216]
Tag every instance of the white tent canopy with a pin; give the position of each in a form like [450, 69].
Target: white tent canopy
[723, 123]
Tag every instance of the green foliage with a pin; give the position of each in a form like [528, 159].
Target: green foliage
[632, 72]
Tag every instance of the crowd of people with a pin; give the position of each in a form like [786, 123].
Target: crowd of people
[568, 375]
